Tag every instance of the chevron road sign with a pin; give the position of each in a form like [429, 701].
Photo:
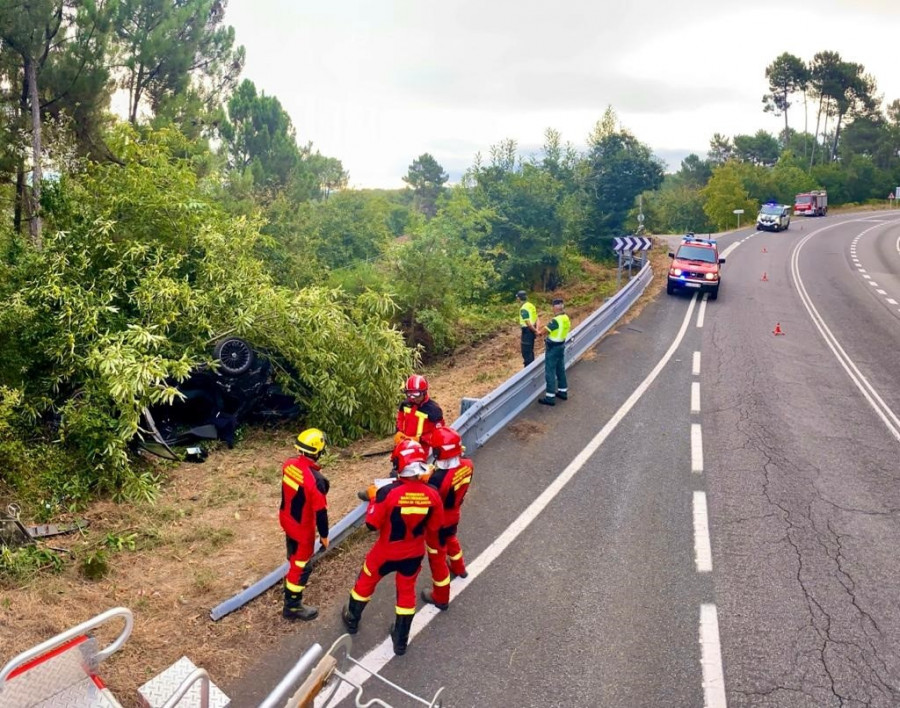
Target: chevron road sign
[632, 243]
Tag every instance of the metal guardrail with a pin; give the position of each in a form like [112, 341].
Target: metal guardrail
[486, 416]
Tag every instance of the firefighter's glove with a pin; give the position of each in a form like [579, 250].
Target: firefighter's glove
[324, 541]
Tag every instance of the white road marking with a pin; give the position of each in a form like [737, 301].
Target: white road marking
[380, 655]
[695, 397]
[711, 658]
[873, 283]
[881, 292]
[891, 301]
[867, 277]
[702, 548]
[887, 415]
[696, 367]
[696, 448]
[701, 315]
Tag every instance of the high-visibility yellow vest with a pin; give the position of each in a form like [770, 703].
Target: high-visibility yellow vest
[527, 314]
[563, 325]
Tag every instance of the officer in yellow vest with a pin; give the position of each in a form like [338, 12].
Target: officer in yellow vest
[528, 321]
[557, 331]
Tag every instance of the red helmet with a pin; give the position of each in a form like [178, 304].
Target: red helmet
[446, 443]
[416, 385]
[406, 455]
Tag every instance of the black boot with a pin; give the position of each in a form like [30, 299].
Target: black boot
[428, 597]
[400, 633]
[352, 614]
[547, 401]
[294, 609]
[562, 395]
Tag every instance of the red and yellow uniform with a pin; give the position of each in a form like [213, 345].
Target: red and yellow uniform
[451, 483]
[406, 514]
[417, 421]
[304, 509]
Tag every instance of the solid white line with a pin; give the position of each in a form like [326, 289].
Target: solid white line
[701, 315]
[380, 655]
[696, 367]
[887, 415]
[702, 548]
[695, 397]
[711, 658]
[696, 448]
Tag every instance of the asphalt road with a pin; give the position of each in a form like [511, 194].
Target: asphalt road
[584, 529]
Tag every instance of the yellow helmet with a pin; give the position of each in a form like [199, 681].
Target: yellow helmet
[311, 441]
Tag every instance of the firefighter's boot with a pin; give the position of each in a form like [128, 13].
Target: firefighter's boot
[352, 614]
[428, 596]
[400, 633]
[294, 609]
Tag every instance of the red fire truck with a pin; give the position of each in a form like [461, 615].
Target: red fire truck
[814, 203]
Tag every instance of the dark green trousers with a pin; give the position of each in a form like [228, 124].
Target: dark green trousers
[555, 369]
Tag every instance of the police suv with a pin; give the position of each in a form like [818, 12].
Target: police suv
[773, 217]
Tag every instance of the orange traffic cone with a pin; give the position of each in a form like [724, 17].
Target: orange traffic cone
[764, 250]
[777, 329]
[765, 278]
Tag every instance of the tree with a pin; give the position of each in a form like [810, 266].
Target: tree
[720, 150]
[759, 149]
[824, 83]
[694, 172]
[169, 47]
[618, 168]
[724, 193]
[260, 139]
[787, 75]
[427, 179]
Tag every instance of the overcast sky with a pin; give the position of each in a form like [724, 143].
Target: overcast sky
[376, 83]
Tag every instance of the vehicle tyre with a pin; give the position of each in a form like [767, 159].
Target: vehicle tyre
[235, 356]
[670, 289]
[714, 293]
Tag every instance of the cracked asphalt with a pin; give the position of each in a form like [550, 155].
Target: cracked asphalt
[803, 475]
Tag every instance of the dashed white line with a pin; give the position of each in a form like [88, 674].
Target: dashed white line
[873, 283]
[696, 448]
[881, 292]
[702, 547]
[695, 397]
[867, 277]
[701, 315]
[696, 367]
[711, 658]
[891, 301]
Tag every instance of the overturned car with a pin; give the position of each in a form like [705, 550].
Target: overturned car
[216, 400]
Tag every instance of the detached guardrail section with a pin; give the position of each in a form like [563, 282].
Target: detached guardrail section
[485, 417]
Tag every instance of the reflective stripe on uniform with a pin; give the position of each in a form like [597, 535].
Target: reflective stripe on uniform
[421, 425]
[430, 549]
[457, 557]
[293, 588]
[300, 564]
[404, 610]
[442, 583]
[356, 596]
[414, 509]
[366, 570]
[461, 484]
[290, 482]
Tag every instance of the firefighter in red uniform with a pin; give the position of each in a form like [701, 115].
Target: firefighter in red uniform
[451, 477]
[418, 416]
[304, 509]
[406, 513]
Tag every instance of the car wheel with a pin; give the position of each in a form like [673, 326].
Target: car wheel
[670, 289]
[714, 293]
[235, 356]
